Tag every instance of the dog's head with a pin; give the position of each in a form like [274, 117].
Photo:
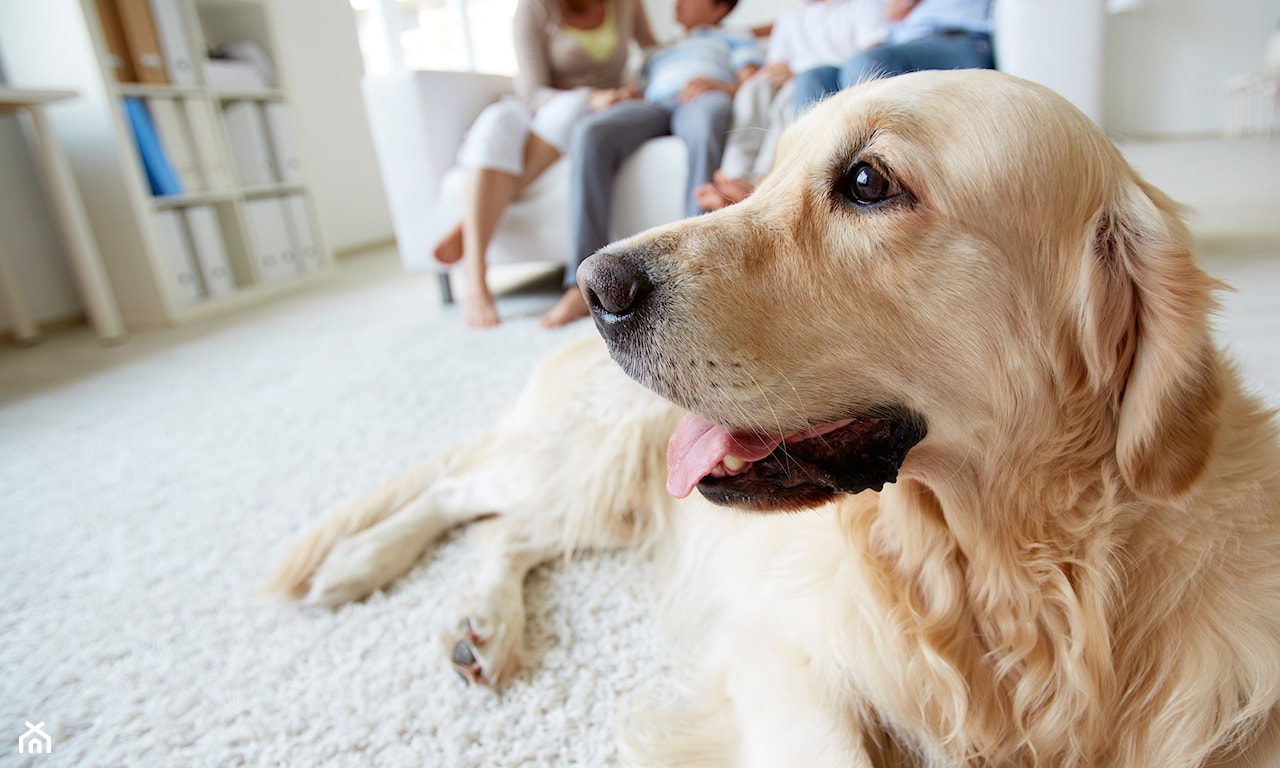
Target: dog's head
[939, 264]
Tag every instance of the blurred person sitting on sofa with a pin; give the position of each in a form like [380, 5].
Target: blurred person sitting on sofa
[814, 34]
[923, 34]
[571, 57]
[688, 92]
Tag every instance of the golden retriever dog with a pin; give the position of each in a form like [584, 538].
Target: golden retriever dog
[944, 467]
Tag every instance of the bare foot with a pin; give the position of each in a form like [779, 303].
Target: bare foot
[478, 309]
[735, 190]
[449, 249]
[709, 198]
[570, 307]
[721, 191]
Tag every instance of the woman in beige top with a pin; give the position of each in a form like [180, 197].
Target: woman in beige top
[572, 57]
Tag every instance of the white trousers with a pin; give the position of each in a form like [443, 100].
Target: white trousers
[760, 113]
[496, 139]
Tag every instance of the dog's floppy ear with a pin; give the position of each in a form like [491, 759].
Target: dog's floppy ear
[1144, 314]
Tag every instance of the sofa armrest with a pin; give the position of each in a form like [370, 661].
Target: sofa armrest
[428, 109]
[417, 120]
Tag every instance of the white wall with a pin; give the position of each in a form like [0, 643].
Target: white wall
[1033, 37]
[1166, 61]
[320, 56]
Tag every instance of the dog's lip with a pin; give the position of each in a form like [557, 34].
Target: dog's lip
[803, 469]
[700, 448]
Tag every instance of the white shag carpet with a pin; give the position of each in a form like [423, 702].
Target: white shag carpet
[143, 501]
[143, 505]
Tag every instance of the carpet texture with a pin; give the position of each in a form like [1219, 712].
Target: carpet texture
[143, 504]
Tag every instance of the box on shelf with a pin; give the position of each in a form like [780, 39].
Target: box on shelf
[233, 73]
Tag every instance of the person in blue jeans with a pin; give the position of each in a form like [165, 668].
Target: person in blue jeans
[923, 34]
[688, 92]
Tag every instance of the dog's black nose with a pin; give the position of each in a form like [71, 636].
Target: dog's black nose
[614, 288]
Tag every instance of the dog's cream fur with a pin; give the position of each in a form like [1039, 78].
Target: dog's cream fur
[1078, 566]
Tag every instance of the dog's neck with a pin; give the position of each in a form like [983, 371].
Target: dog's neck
[1035, 578]
[1019, 589]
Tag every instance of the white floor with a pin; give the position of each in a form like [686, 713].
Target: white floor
[145, 489]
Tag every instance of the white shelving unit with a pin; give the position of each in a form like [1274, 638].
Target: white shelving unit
[61, 44]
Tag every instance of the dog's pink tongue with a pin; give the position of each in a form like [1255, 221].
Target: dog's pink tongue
[698, 446]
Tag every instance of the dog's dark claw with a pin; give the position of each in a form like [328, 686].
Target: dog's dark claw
[463, 655]
[467, 665]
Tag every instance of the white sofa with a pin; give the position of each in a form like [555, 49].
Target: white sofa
[418, 120]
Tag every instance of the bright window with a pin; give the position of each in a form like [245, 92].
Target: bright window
[468, 35]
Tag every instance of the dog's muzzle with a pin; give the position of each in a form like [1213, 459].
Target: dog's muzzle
[616, 291]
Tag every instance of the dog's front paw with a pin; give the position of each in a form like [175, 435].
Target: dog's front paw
[465, 655]
[483, 651]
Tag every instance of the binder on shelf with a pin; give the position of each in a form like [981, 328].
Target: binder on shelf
[210, 249]
[305, 248]
[183, 273]
[174, 43]
[288, 163]
[143, 41]
[269, 235]
[113, 35]
[160, 174]
[215, 167]
[174, 132]
[249, 148]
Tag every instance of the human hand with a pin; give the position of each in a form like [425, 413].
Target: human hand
[777, 73]
[630, 93]
[603, 98]
[897, 10]
[700, 85]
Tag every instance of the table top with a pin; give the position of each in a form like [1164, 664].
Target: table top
[22, 97]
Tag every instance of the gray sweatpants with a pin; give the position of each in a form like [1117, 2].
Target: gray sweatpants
[603, 140]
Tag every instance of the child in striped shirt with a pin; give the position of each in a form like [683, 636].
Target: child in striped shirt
[688, 92]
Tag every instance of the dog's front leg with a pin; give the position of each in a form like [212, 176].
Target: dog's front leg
[486, 641]
[367, 543]
[366, 561]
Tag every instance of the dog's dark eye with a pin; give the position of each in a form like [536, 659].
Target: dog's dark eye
[867, 185]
